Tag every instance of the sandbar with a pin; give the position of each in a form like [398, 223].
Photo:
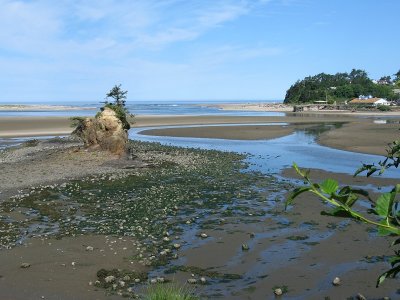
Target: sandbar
[41, 107]
[357, 134]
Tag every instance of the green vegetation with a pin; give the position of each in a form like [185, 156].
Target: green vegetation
[384, 108]
[340, 87]
[169, 292]
[385, 211]
[118, 104]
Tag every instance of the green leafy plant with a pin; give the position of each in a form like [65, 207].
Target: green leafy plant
[383, 108]
[169, 292]
[384, 214]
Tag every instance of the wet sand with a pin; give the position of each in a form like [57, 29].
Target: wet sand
[63, 268]
[306, 266]
[250, 132]
[362, 136]
[357, 134]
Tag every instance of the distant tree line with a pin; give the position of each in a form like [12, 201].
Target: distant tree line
[341, 87]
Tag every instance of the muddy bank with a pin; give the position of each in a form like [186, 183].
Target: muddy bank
[248, 132]
[362, 136]
[63, 268]
[40, 126]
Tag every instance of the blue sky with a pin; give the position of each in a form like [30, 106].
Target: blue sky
[76, 50]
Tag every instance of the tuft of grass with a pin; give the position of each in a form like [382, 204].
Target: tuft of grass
[169, 292]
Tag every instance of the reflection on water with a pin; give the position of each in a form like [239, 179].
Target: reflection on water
[272, 156]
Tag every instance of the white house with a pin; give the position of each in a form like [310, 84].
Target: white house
[370, 101]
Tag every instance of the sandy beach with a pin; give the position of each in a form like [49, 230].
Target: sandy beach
[297, 247]
[356, 135]
[41, 107]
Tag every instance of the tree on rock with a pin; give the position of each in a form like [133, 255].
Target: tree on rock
[108, 130]
[118, 95]
[118, 105]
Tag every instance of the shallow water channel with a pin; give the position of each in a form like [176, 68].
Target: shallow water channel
[283, 245]
[274, 155]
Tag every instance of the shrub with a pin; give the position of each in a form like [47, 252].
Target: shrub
[384, 107]
[169, 292]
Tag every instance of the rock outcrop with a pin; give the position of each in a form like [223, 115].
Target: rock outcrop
[105, 132]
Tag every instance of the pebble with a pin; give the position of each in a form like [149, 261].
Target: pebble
[278, 292]
[203, 235]
[336, 281]
[109, 279]
[25, 265]
[360, 297]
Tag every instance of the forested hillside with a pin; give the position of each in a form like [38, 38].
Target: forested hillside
[341, 87]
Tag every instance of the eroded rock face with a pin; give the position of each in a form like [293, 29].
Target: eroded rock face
[104, 132]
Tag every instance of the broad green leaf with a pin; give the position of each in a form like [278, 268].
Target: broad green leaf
[295, 193]
[329, 186]
[394, 260]
[396, 242]
[391, 274]
[387, 231]
[381, 279]
[371, 171]
[337, 212]
[383, 205]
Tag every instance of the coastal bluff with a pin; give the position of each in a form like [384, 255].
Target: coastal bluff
[104, 132]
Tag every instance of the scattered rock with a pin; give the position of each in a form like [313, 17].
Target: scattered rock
[177, 246]
[203, 235]
[192, 281]
[336, 281]
[166, 239]
[160, 279]
[245, 247]
[25, 265]
[278, 292]
[89, 248]
[109, 279]
[203, 280]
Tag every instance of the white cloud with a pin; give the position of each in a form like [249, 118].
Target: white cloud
[43, 25]
[45, 42]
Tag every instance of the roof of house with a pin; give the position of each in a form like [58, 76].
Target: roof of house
[365, 101]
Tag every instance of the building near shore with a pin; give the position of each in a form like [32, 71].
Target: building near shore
[369, 101]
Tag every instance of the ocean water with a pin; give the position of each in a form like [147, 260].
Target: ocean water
[143, 108]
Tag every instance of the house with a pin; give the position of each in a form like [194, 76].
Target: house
[369, 101]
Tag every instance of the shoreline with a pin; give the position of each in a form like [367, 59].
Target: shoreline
[41, 107]
[357, 134]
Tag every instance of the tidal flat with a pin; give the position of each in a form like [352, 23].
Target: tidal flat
[191, 216]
